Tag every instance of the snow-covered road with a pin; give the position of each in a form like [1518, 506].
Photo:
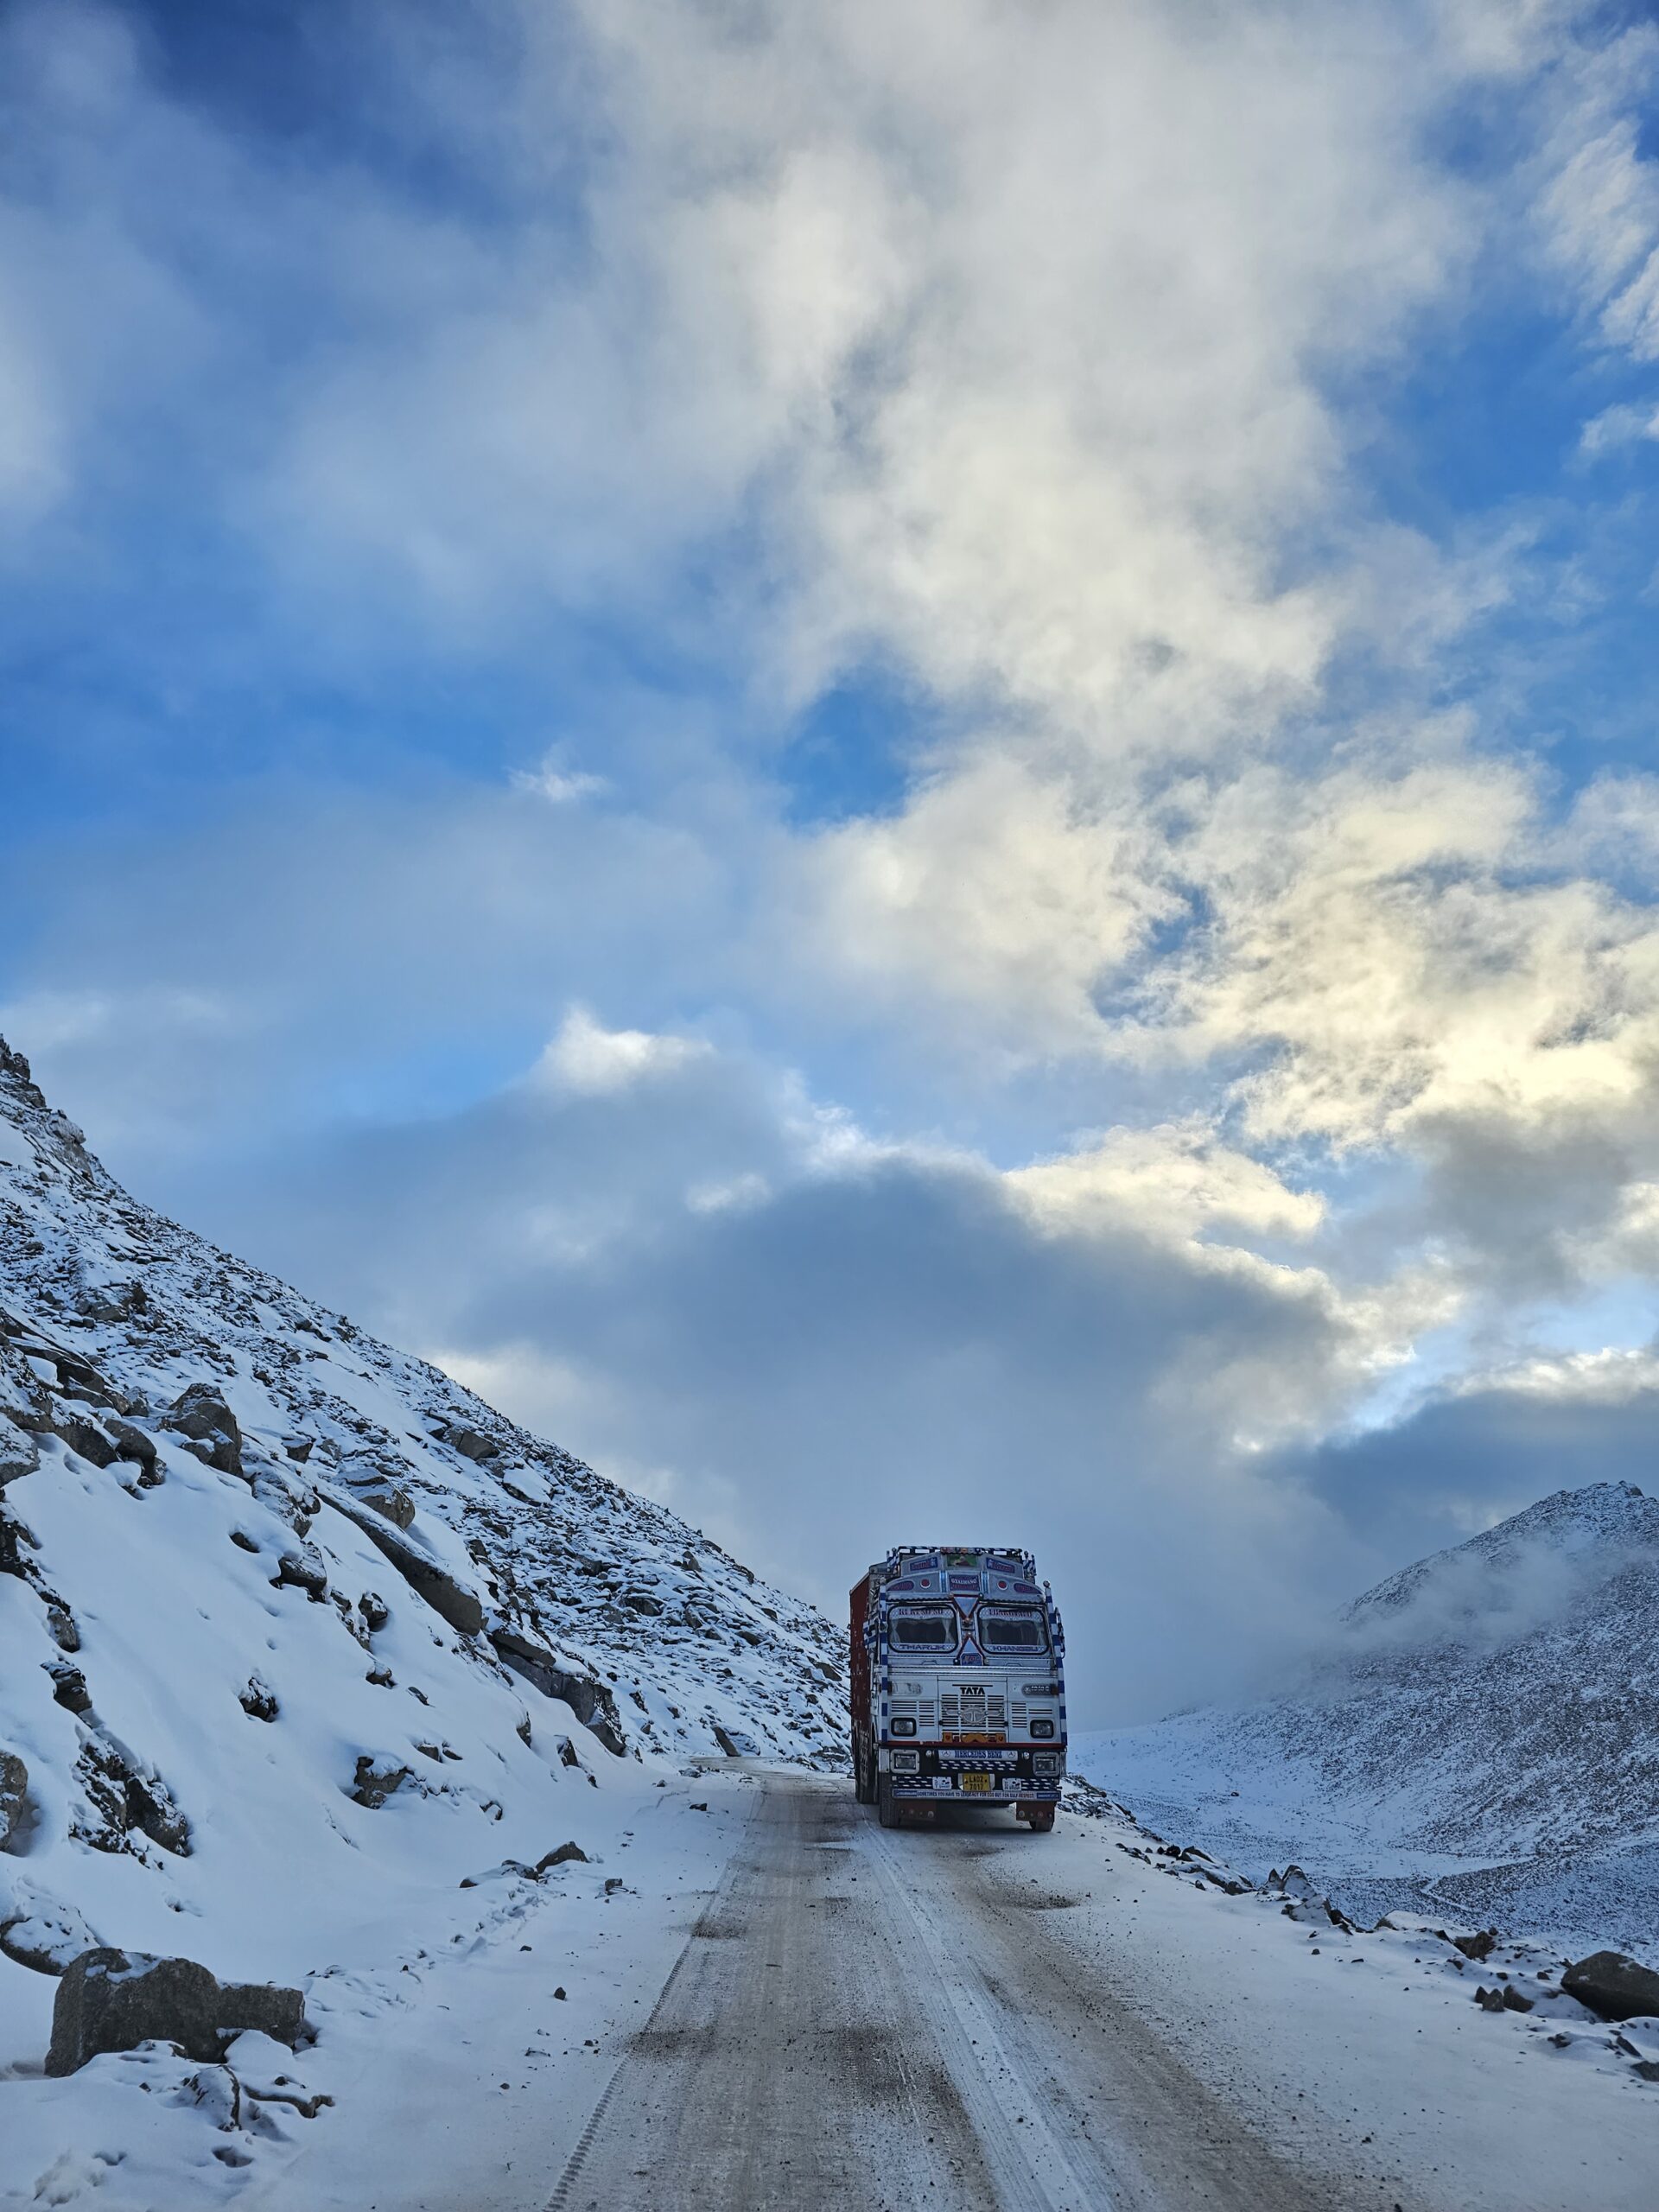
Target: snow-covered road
[787, 2007]
[889, 2020]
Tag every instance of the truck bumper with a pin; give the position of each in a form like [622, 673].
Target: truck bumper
[974, 1777]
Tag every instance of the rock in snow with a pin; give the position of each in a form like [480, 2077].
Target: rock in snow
[14, 1800]
[114, 2000]
[208, 1426]
[1613, 1986]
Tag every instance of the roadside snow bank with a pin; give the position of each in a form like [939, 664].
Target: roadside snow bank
[456, 2045]
[1524, 2099]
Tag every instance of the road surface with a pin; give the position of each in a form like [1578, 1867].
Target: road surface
[871, 2019]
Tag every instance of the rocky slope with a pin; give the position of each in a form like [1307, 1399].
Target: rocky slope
[291, 1626]
[1482, 1734]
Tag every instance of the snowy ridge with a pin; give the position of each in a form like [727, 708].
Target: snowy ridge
[677, 1635]
[297, 1636]
[1481, 1735]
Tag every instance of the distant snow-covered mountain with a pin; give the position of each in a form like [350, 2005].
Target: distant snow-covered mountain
[293, 1628]
[1481, 1735]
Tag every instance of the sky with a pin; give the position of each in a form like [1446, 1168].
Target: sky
[896, 759]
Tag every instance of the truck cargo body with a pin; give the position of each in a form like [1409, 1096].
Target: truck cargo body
[958, 1695]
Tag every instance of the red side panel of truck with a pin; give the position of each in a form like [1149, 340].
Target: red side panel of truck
[858, 1610]
[858, 1606]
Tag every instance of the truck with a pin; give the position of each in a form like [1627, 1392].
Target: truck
[958, 1695]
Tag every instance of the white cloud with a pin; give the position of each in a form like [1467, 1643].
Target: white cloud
[1006, 339]
[558, 785]
[1401, 948]
[1608, 1376]
[998, 888]
[1619, 425]
[1179, 1180]
[591, 1061]
[1598, 205]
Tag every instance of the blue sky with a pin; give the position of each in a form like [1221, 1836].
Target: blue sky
[901, 764]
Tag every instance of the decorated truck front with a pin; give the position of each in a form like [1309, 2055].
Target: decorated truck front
[958, 1695]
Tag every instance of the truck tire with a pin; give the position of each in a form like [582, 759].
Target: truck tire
[886, 1812]
[859, 1791]
[1041, 1818]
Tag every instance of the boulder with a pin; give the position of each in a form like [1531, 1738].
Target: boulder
[208, 1426]
[259, 1699]
[559, 1857]
[86, 1437]
[1613, 1985]
[19, 1453]
[68, 1133]
[68, 1686]
[77, 1378]
[126, 1799]
[396, 1503]
[591, 1702]
[44, 1934]
[130, 1443]
[375, 1780]
[471, 1443]
[15, 1815]
[451, 1600]
[264, 2007]
[114, 2000]
[1478, 1947]
[301, 1570]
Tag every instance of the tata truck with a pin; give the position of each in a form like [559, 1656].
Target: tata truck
[958, 1695]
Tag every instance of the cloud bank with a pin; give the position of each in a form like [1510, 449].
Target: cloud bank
[837, 743]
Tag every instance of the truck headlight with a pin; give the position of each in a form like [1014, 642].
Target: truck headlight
[904, 1762]
[908, 1728]
[1042, 1727]
[1045, 1762]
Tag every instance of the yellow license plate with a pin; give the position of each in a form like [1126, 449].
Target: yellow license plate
[976, 1781]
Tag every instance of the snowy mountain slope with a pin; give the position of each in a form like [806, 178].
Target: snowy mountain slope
[295, 1633]
[1482, 1734]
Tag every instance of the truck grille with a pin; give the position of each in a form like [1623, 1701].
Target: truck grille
[918, 1710]
[989, 1712]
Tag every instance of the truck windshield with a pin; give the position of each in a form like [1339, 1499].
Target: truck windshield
[916, 1628]
[1017, 1630]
